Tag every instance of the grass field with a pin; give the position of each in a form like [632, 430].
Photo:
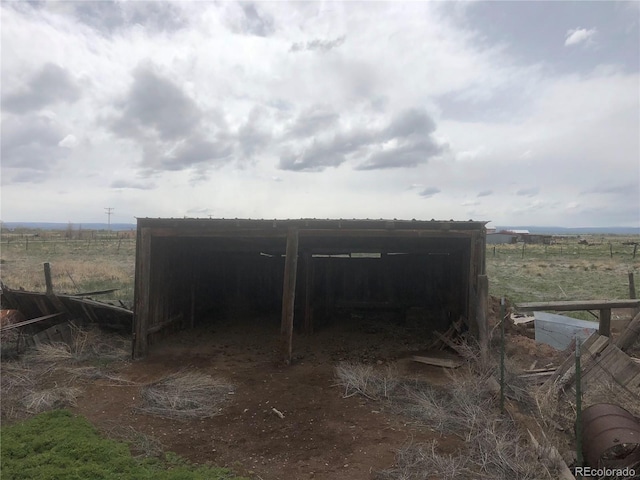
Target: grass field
[76, 265]
[566, 270]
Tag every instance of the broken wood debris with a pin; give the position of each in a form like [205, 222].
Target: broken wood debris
[438, 361]
[30, 322]
[602, 361]
[446, 339]
[44, 310]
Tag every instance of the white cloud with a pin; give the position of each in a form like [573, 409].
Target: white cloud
[341, 99]
[579, 35]
[70, 141]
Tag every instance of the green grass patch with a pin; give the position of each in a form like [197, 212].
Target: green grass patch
[59, 445]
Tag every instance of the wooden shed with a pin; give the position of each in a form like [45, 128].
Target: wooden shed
[302, 269]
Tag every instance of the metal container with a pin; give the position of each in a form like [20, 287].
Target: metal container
[610, 437]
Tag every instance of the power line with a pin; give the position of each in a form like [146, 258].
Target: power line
[109, 211]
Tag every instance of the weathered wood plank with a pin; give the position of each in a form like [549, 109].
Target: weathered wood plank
[605, 322]
[289, 295]
[629, 336]
[141, 300]
[571, 305]
[30, 322]
[437, 361]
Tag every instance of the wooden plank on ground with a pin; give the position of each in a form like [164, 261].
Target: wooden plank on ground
[437, 361]
[571, 305]
[30, 322]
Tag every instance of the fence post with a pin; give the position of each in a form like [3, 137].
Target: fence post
[502, 355]
[47, 278]
[578, 407]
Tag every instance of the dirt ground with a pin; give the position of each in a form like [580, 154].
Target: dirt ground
[322, 435]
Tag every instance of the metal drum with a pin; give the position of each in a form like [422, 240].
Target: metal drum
[610, 437]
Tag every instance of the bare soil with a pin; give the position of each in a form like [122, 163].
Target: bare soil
[323, 435]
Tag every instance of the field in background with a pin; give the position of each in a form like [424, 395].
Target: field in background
[566, 270]
[99, 261]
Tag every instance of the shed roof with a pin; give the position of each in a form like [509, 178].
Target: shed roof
[317, 235]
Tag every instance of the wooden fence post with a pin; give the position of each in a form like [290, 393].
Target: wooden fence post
[47, 278]
[289, 295]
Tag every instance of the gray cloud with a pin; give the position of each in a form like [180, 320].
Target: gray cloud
[195, 150]
[411, 122]
[485, 193]
[253, 134]
[620, 189]
[414, 145]
[170, 127]
[318, 45]
[312, 121]
[31, 142]
[256, 23]
[107, 16]
[429, 192]
[155, 102]
[409, 133]
[410, 154]
[132, 184]
[528, 192]
[51, 84]
[322, 154]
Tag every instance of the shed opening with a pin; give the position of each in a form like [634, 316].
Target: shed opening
[304, 275]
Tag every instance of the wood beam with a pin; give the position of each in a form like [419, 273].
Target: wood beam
[142, 288]
[482, 313]
[308, 293]
[289, 295]
[571, 305]
[605, 322]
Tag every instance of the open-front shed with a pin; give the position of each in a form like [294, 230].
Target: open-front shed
[303, 270]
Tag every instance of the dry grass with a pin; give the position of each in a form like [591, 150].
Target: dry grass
[50, 375]
[186, 395]
[423, 462]
[361, 379]
[42, 400]
[141, 444]
[495, 447]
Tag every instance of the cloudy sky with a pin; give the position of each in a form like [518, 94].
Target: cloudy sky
[515, 112]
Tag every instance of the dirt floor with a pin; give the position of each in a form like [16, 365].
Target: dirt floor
[322, 435]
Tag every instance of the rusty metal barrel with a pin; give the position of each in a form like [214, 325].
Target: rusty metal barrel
[610, 436]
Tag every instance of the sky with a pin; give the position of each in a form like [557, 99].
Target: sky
[517, 113]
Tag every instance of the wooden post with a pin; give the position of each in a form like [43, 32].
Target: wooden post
[192, 320]
[308, 293]
[482, 313]
[605, 322]
[635, 249]
[289, 295]
[472, 294]
[632, 286]
[610, 249]
[47, 278]
[142, 293]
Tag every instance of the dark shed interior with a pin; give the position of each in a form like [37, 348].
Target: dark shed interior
[192, 271]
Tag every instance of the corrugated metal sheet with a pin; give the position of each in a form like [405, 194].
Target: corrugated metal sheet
[559, 330]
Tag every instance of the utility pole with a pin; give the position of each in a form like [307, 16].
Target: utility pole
[109, 210]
